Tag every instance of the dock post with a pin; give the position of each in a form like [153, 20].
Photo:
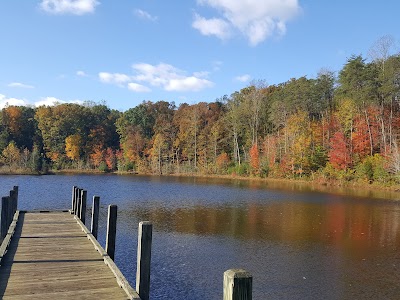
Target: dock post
[83, 206]
[145, 232]
[4, 216]
[78, 203]
[11, 206]
[95, 216]
[111, 230]
[73, 199]
[16, 188]
[238, 285]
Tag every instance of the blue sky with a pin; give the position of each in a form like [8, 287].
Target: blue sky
[126, 51]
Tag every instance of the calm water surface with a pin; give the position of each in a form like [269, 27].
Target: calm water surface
[297, 242]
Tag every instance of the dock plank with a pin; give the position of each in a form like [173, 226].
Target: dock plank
[50, 257]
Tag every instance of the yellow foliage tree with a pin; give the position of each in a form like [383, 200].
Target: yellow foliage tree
[11, 155]
[73, 146]
[299, 131]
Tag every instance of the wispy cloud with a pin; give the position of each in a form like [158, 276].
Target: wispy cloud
[217, 64]
[75, 7]
[20, 85]
[243, 78]
[114, 78]
[135, 87]
[256, 20]
[145, 15]
[81, 73]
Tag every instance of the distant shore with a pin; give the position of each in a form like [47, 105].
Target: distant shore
[316, 185]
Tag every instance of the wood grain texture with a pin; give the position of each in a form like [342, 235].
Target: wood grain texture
[50, 257]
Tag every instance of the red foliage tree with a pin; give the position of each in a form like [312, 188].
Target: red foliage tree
[339, 155]
[360, 138]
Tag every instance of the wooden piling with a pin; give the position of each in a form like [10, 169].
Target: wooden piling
[111, 230]
[143, 259]
[73, 199]
[11, 206]
[83, 206]
[95, 216]
[4, 216]
[77, 191]
[238, 285]
[16, 189]
[78, 203]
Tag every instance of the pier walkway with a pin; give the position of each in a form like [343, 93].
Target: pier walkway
[51, 257]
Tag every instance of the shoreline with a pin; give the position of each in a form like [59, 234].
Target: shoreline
[314, 184]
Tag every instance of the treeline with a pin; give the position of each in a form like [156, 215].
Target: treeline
[336, 126]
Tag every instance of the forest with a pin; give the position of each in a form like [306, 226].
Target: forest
[342, 126]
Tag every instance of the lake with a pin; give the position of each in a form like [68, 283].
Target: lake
[297, 242]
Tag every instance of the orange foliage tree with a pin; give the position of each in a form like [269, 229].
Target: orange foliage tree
[254, 160]
[222, 161]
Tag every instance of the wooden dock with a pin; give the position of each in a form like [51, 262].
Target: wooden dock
[53, 255]
[50, 257]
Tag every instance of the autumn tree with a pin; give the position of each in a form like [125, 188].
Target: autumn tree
[11, 155]
[73, 146]
[254, 160]
[339, 155]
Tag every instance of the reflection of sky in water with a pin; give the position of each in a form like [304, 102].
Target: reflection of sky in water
[298, 242]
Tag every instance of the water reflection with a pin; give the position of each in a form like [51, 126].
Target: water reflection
[354, 228]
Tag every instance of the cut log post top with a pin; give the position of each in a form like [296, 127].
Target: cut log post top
[238, 285]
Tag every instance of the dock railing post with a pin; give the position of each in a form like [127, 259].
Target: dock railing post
[15, 188]
[4, 216]
[73, 199]
[78, 203]
[95, 216]
[83, 206]
[11, 207]
[145, 232]
[111, 230]
[77, 191]
[238, 285]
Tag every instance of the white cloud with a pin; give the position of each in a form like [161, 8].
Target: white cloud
[243, 78]
[81, 73]
[185, 84]
[51, 101]
[163, 75]
[4, 101]
[138, 88]
[256, 20]
[215, 26]
[170, 78]
[20, 85]
[145, 15]
[75, 7]
[114, 78]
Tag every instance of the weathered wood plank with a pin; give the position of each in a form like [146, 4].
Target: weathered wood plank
[101, 293]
